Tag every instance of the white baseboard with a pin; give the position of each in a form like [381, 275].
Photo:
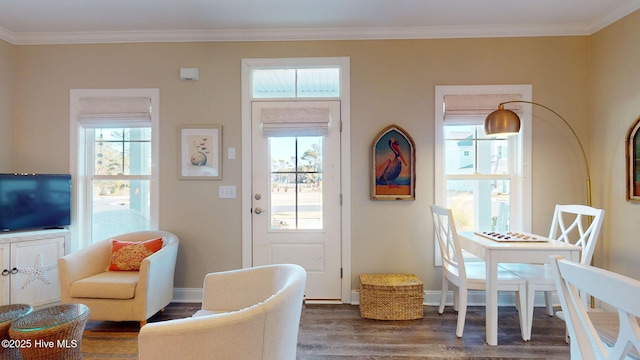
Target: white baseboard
[187, 295]
[476, 298]
[431, 297]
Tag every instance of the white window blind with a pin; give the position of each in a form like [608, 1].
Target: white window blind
[115, 112]
[308, 121]
[473, 109]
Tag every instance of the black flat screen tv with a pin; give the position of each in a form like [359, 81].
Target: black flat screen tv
[34, 201]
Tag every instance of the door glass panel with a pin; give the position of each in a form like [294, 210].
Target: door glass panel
[296, 183]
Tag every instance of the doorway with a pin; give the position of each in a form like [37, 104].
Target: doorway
[305, 206]
[296, 190]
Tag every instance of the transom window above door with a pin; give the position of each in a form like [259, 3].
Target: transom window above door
[296, 83]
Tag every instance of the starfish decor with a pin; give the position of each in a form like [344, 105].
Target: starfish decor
[37, 272]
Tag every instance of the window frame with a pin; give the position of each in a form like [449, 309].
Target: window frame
[520, 184]
[81, 163]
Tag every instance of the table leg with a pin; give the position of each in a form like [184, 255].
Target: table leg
[492, 300]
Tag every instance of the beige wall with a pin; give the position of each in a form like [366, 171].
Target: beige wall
[391, 82]
[7, 90]
[616, 106]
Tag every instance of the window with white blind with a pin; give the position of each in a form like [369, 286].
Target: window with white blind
[116, 148]
[483, 179]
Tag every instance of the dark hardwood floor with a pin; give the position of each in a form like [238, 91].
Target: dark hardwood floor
[338, 332]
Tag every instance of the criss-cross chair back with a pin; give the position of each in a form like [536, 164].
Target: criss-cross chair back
[579, 225]
[616, 290]
[447, 237]
[573, 224]
[470, 275]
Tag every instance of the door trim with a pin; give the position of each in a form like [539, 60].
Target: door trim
[345, 156]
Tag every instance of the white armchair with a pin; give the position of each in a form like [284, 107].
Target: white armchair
[120, 295]
[246, 314]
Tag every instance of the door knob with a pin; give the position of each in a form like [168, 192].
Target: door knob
[257, 210]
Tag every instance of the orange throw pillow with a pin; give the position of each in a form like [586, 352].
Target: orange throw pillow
[128, 255]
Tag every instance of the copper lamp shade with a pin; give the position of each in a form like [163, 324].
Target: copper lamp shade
[506, 122]
[502, 122]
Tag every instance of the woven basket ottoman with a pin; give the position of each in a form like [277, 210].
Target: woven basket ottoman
[52, 333]
[391, 297]
[8, 314]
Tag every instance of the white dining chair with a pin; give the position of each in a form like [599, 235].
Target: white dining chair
[617, 291]
[575, 224]
[468, 276]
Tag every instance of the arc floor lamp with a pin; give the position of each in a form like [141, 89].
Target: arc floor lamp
[506, 122]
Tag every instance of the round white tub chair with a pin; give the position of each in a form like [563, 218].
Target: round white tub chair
[120, 295]
[247, 314]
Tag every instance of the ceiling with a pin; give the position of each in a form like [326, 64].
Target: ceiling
[25, 22]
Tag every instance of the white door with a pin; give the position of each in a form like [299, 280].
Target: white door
[296, 190]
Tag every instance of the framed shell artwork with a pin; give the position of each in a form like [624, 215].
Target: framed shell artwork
[200, 152]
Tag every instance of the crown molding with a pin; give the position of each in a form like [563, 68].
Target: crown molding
[7, 36]
[615, 15]
[291, 34]
[625, 8]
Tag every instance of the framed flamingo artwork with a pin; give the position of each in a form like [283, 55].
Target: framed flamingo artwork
[393, 165]
[200, 152]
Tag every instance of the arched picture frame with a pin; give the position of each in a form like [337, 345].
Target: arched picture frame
[632, 145]
[393, 165]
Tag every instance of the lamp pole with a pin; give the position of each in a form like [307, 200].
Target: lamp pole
[507, 115]
[584, 154]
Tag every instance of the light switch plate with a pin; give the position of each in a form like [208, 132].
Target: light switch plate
[226, 192]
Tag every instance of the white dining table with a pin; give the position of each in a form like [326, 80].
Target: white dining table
[495, 252]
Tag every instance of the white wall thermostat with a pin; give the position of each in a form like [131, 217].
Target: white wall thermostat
[189, 74]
